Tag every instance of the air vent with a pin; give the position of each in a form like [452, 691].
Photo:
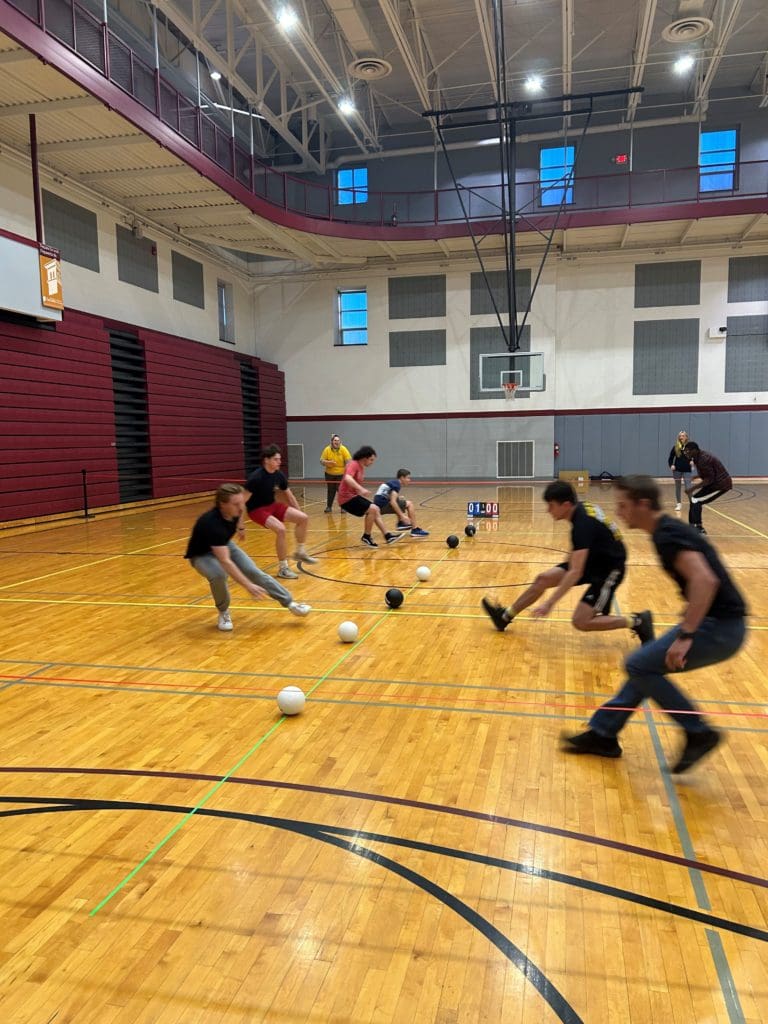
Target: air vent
[687, 30]
[369, 68]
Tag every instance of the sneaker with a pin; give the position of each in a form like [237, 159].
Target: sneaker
[327, 509]
[297, 608]
[302, 556]
[678, 506]
[225, 622]
[390, 538]
[286, 573]
[368, 539]
[590, 742]
[700, 529]
[418, 532]
[697, 744]
[643, 627]
[404, 526]
[497, 613]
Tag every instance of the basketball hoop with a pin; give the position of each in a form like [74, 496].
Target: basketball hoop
[510, 387]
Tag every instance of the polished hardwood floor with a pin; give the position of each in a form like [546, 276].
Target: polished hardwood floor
[413, 847]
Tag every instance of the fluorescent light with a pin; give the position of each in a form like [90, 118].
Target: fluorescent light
[534, 83]
[216, 76]
[346, 106]
[683, 64]
[287, 19]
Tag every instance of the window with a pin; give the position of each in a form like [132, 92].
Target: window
[717, 160]
[352, 185]
[556, 175]
[226, 312]
[353, 318]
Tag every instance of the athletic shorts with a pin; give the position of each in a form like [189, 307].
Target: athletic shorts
[261, 514]
[387, 508]
[600, 589]
[357, 506]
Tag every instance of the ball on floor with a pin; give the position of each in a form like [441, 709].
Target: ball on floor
[470, 529]
[393, 597]
[452, 541]
[348, 632]
[291, 700]
[423, 573]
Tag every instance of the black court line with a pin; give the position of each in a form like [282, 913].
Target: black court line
[334, 837]
[462, 812]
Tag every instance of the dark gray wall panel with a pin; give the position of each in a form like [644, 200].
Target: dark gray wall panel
[417, 348]
[188, 282]
[667, 284]
[72, 230]
[480, 298]
[746, 354]
[665, 357]
[748, 279]
[136, 260]
[411, 297]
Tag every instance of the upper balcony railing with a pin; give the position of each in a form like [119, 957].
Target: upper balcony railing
[82, 32]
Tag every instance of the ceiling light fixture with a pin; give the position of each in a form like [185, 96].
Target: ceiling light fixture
[287, 19]
[683, 64]
[534, 83]
[216, 76]
[346, 106]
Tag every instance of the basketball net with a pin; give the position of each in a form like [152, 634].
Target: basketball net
[510, 386]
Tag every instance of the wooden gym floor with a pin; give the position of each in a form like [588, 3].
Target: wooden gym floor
[413, 847]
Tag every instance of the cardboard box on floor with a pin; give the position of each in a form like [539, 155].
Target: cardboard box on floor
[578, 478]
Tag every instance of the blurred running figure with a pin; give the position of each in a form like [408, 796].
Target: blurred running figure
[598, 559]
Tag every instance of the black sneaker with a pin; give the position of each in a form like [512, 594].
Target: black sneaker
[701, 529]
[697, 744]
[497, 614]
[643, 627]
[590, 742]
[390, 538]
[368, 539]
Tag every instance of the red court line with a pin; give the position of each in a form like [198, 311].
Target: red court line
[366, 695]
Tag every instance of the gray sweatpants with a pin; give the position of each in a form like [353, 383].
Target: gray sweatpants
[211, 568]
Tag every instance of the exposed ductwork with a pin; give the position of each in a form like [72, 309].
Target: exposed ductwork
[354, 26]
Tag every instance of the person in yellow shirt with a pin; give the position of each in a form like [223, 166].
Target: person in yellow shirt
[334, 458]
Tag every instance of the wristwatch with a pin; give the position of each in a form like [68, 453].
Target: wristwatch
[684, 634]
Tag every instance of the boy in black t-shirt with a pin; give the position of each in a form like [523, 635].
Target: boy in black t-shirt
[213, 553]
[267, 512]
[712, 629]
[597, 560]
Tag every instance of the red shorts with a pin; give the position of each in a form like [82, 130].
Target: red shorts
[261, 514]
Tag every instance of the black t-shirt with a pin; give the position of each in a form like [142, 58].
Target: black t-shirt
[211, 530]
[592, 529]
[262, 486]
[670, 538]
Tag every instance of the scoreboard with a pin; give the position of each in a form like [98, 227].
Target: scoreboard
[482, 510]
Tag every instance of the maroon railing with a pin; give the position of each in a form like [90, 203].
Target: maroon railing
[82, 32]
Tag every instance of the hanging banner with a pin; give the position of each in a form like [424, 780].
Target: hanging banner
[51, 292]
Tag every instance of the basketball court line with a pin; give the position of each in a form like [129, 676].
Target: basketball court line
[88, 565]
[731, 519]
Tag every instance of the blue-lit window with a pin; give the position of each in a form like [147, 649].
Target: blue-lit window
[353, 318]
[352, 185]
[556, 175]
[717, 160]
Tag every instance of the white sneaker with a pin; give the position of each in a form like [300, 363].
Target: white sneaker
[225, 621]
[678, 506]
[302, 556]
[296, 608]
[286, 573]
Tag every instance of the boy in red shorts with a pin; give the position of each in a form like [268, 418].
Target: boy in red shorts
[263, 509]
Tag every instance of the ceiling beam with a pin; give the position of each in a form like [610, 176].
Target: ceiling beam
[397, 29]
[707, 79]
[640, 54]
[105, 141]
[754, 223]
[276, 121]
[567, 61]
[135, 172]
[48, 106]
[486, 37]
[688, 229]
